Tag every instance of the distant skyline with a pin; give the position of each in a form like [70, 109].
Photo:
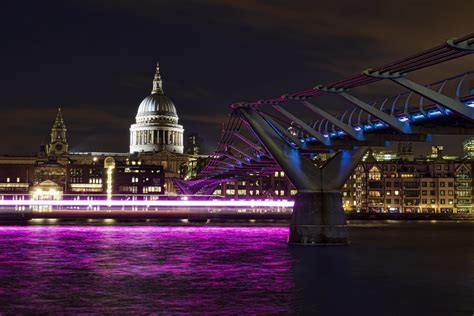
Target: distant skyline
[96, 59]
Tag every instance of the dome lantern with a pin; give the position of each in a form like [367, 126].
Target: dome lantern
[157, 82]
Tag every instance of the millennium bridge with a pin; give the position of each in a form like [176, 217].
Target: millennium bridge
[286, 132]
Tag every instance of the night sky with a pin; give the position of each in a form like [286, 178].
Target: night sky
[96, 59]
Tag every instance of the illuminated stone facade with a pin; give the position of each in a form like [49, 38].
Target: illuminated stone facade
[419, 186]
[155, 159]
[156, 128]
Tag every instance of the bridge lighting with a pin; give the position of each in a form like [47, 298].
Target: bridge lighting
[403, 119]
[379, 124]
[435, 113]
[470, 103]
[418, 116]
[358, 128]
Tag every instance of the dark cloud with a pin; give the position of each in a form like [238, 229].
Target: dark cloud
[212, 53]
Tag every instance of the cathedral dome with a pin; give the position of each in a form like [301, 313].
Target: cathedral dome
[156, 125]
[157, 104]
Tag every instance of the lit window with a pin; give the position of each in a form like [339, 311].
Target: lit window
[396, 192]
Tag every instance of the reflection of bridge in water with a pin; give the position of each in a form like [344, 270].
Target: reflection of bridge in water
[261, 137]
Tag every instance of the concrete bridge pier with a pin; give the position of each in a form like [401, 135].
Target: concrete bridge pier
[318, 217]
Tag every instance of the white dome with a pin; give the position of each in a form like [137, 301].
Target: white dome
[157, 104]
[156, 126]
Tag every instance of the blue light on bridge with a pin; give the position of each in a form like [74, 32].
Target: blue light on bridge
[435, 113]
[418, 116]
[379, 124]
[403, 119]
[357, 128]
[470, 103]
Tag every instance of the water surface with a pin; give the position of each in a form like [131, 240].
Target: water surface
[389, 269]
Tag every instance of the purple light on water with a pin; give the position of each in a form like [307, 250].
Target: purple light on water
[163, 203]
[179, 270]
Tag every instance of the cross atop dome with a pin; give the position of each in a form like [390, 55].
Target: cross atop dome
[157, 82]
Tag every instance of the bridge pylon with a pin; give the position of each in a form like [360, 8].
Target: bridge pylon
[318, 217]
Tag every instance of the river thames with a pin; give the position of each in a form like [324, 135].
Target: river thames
[390, 268]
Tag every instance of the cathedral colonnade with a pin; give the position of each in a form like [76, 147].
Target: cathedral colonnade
[156, 136]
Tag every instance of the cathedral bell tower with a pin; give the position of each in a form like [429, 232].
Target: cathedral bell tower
[58, 145]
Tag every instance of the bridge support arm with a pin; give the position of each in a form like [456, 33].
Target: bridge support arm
[384, 117]
[449, 103]
[299, 169]
[339, 168]
[318, 217]
[346, 128]
[308, 129]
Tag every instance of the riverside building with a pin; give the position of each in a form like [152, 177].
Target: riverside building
[154, 159]
[396, 182]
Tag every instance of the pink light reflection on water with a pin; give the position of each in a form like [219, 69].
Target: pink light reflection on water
[145, 269]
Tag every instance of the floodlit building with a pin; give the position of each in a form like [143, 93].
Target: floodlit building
[156, 128]
[382, 185]
[400, 186]
[468, 148]
[155, 158]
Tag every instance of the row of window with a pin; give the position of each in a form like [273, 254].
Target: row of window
[423, 201]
